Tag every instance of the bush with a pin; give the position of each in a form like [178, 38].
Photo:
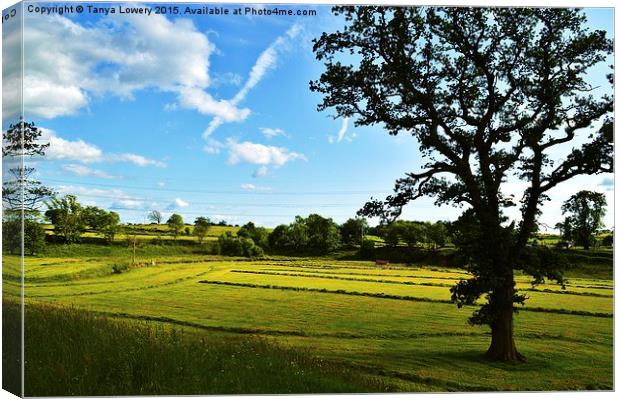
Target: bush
[119, 268]
[238, 246]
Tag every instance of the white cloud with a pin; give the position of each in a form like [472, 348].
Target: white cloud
[81, 151]
[61, 149]
[107, 198]
[161, 184]
[127, 204]
[117, 55]
[180, 203]
[177, 203]
[260, 154]
[342, 133]
[50, 99]
[227, 78]
[81, 170]
[135, 159]
[213, 146]
[266, 60]
[270, 132]
[198, 99]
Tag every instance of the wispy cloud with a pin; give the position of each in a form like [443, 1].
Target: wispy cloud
[266, 60]
[135, 159]
[251, 187]
[213, 146]
[81, 170]
[342, 133]
[270, 132]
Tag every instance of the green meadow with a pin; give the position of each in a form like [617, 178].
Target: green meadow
[289, 325]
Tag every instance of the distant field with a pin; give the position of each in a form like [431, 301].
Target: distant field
[393, 324]
[147, 232]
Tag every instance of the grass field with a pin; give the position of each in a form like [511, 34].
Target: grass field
[394, 328]
[148, 232]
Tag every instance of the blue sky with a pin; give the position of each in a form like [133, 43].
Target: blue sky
[212, 116]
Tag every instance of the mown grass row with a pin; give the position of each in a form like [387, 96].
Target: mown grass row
[391, 296]
[369, 280]
[108, 291]
[461, 275]
[77, 353]
[365, 274]
[314, 265]
[545, 290]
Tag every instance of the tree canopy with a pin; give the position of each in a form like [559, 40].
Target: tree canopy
[175, 224]
[21, 192]
[586, 210]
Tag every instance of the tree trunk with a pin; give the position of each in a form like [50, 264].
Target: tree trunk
[503, 346]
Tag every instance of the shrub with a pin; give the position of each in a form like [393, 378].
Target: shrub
[238, 246]
[119, 268]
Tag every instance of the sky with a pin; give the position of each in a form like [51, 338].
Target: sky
[212, 116]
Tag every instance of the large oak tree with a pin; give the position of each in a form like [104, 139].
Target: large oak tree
[489, 94]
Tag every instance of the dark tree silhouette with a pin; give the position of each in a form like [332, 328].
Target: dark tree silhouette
[20, 192]
[488, 93]
[586, 210]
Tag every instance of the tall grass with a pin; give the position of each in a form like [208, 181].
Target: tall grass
[11, 348]
[71, 352]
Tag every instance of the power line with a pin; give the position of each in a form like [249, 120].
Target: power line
[283, 205]
[365, 192]
[227, 214]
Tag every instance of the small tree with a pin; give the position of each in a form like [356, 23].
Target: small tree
[101, 221]
[298, 233]
[323, 233]
[22, 196]
[390, 234]
[201, 228]
[437, 234]
[411, 232]
[586, 210]
[131, 235]
[175, 224]
[155, 216]
[20, 191]
[259, 235]
[352, 231]
[110, 226]
[280, 237]
[67, 216]
[566, 230]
